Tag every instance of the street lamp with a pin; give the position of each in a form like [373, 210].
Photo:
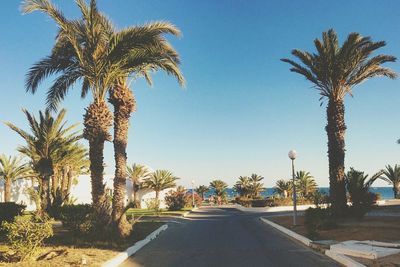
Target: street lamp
[193, 193]
[292, 155]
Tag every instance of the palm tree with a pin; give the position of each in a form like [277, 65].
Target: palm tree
[256, 187]
[335, 70]
[283, 188]
[242, 186]
[358, 186]
[201, 190]
[137, 173]
[159, 181]
[78, 55]
[305, 183]
[11, 169]
[49, 136]
[134, 51]
[219, 187]
[392, 176]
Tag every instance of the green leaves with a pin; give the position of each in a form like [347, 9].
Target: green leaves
[334, 70]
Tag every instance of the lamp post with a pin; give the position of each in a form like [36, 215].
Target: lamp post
[292, 155]
[193, 193]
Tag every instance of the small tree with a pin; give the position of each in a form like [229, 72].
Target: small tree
[137, 173]
[159, 181]
[358, 186]
[201, 190]
[283, 188]
[392, 176]
[11, 169]
[219, 187]
[305, 183]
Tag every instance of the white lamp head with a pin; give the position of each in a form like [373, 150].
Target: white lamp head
[292, 154]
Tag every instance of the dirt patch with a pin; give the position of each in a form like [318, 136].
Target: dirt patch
[388, 261]
[385, 229]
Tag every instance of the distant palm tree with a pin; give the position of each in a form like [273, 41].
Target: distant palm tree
[159, 181]
[305, 183]
[335, 70]
[201, 190]
[137, 173]
[219, 187]
[256, 186]
[283, 188]
[49, 136]
[242, 186]
[358, 186]
[392, 176]
[11, 169]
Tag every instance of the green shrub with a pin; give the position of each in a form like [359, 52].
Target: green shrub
[77, 218]
[316, 219]
[175, 200]
[244, 201]
[153, 204]
[26, 235]
[260, 202]
[9, 210]
[318, 198]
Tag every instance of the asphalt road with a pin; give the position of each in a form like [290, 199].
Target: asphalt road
[224, 237]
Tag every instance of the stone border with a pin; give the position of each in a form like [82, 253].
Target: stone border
[189, 211]
[121, 257]
[290, 233]
[342, 259]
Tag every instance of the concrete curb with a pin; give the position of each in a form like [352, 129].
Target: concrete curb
[290, 233]
[343, 259]
[348, 262]
[187, 213]
[121, 257]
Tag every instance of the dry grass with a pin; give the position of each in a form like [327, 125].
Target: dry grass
[370, 228]
[67, 250]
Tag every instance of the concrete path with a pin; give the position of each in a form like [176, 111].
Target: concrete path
[225, 237]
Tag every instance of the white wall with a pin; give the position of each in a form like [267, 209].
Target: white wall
[18, 193]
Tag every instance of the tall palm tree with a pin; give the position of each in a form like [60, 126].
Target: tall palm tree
[78, 55]
[242, 186]
[49, 136]
[159, 181]
[335, 70]
[137, 173]
[256, 186]
[219, 187]
[201, 190]
[11, 169]
[305, 183]
[283, 188]
[392, 176]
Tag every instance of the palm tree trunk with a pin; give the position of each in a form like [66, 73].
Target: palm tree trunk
[124, 104]
[7, 189]
[97, 122]
[45, 200]
[396, 190]
[336, 151]
[157, 195]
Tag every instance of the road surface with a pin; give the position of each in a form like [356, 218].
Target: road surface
[224, 237]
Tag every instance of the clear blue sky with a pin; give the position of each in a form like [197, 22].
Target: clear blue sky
[242, 109]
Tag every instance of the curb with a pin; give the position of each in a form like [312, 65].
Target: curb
[187, 213]
[343, 259]
[121, 257]
[290, 233]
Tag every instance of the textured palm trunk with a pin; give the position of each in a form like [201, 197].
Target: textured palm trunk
[124, 104]
[157, 194]
[7, 190]
[336, 151]
[45, 200]
[396, 190]
[97, 122]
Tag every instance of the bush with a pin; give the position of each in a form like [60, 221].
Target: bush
[318, 198]
[318, 219]
[9, 210]
[175, 200]
[198, 201]
[260, 202]
[76, 217]
[153, 204]
[364, 205]
[245, 202]
[26, 235]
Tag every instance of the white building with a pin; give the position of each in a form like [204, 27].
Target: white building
[81, 192]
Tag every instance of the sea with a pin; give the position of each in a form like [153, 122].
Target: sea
[385, 192]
